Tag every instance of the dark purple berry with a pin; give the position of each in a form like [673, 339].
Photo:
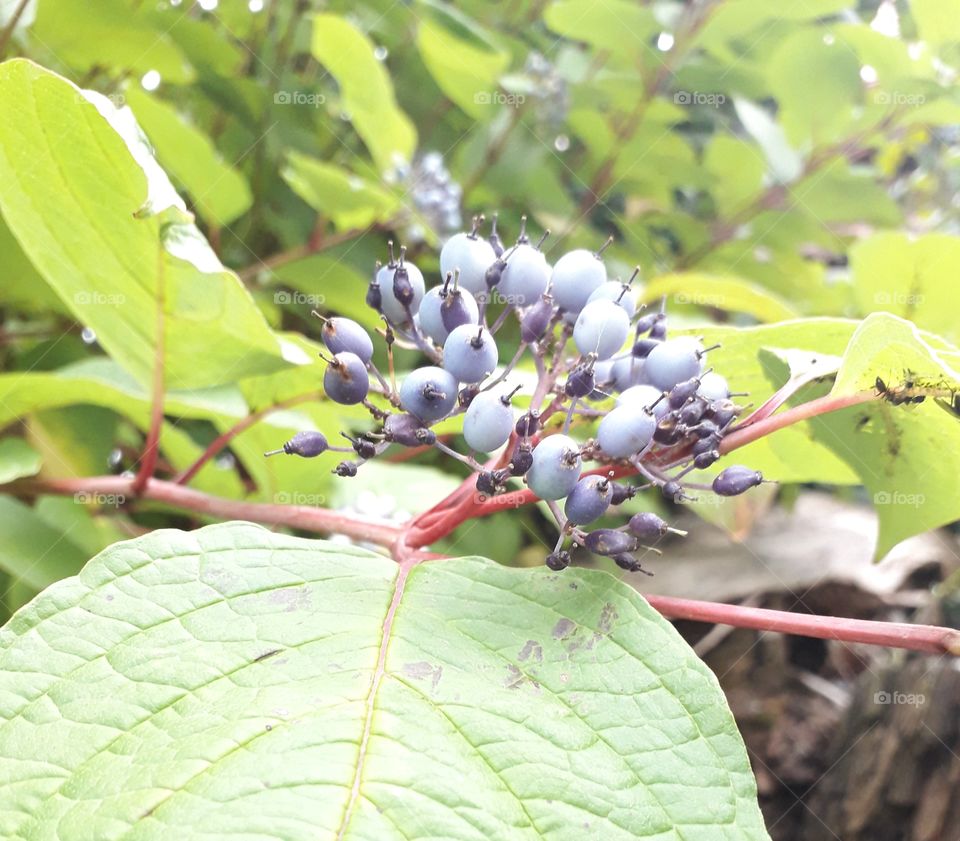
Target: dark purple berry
[374, 296]
[304, 444]
[704, 460]
[692, 412]
[705, 445]
[588, 501]
[706, 429]
[495, 273]
[346, 380]
[402, 287]
[668, 431]
[536, 320]
[647, 526]
[466, 395]
[645, 322]
[402, 429]
[621, 493]
[610, 542]
[529, 424]
[489, 482]
[673, 491]
[626, 561]
[580, 382]
[522, 460]
[346, 469]
[682, 392]
[558, 560]
[736, 479]
[659, 329]
[642, 347]
[361, 446]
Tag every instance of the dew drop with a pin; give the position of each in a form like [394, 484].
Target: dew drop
[151, 80]
[561, 143]
[381, 53]
[88, 336]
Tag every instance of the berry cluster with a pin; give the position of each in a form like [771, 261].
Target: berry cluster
[434, 194]
[597, 356]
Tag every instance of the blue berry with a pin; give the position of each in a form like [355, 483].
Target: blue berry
[626, 431]
[525, 277]
[488, 423]
[405, 430]
[602, 327]
[556, 467]
[470, 353]
[575, 277]
[429, 393]
[472, 256]
[736, 479]
[346, 381]
[617, 292]
[628, 372]
[344, 334]
[647, 526]
[647, 397]
[588, 501]
[674, 361]
[713, 387]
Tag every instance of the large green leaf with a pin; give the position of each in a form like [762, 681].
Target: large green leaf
[366, 89]
[324, 694]
[17, 459]
[464, 72]
[34, 552]
[907, 456]
[70, 191]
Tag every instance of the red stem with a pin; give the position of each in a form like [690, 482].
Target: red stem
[169, 493]
[221, 441]
[927, 638]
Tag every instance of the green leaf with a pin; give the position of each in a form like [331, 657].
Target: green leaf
[17, 460]
[323, 692]
[617, 26]
[792, 454]
[70, 190]
[219, 192]
[912, 278]
[109, 34]
[31, 551]
[348, 199]
[908, 457]
[738, 168]
[937, 21]
[731, 294]
[464, 72]
[365, 88]
[816, 82]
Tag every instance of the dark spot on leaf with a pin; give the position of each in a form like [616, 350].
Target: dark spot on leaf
[267, 654]
[531, 648]
[515, 679]
[563, 629]
[608, 615]
[423, 671]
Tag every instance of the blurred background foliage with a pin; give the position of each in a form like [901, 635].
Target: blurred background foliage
[761, 162]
